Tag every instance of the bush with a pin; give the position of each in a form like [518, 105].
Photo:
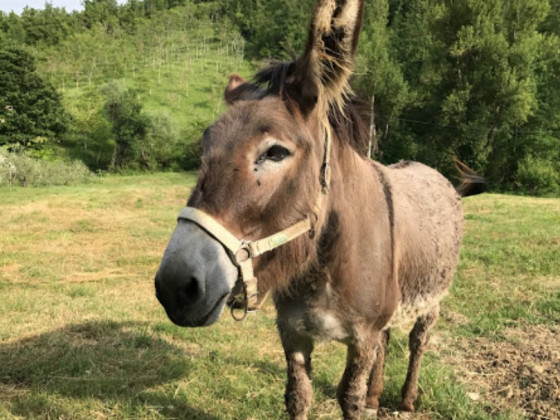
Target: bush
[22, 170]
[191, 154]
[537, 177]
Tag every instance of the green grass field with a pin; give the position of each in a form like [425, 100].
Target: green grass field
[83, 337]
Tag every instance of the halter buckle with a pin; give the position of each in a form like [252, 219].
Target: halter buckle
[244, 253]
[244, 302]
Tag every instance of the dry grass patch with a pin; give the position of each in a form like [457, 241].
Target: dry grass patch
[520, 372]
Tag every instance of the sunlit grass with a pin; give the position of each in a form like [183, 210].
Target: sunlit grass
[510, 265]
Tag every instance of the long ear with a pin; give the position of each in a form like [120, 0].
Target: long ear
[322, 73]
[239, 89]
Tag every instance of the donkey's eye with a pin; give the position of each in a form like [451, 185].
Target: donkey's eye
[275, 153]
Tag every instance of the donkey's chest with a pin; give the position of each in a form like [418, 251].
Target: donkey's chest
[325, 325]
[318, 317]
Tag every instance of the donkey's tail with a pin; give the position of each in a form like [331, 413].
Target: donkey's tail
[471, 182]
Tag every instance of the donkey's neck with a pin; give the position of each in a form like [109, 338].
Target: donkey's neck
[353, 276]
[357, 233]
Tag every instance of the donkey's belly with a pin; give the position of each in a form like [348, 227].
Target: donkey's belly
[408, 312]
[325, 325]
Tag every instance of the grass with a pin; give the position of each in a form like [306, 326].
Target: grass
[510, 262]
[83, 337]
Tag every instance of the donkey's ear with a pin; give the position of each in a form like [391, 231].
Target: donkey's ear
[239, 89]
[322, 73]
[232, 92]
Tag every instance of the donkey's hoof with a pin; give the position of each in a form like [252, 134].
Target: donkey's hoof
[407, 406]
[370, 413]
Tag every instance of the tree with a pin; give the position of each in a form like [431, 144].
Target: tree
[31, 113]
[380, 78]
[129, 126]
[472, 71]
[48, 26]
[100, 11]
[13, 30]
[271, 27]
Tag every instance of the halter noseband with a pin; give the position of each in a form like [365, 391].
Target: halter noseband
[242, 252]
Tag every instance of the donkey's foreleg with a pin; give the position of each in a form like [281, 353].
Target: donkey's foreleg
[352, 389]
[299, 392]
[417, 343]
[375, 383]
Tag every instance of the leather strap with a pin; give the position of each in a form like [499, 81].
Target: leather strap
[242, 252]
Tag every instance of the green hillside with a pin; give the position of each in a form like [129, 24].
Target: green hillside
[173, 64]
[475, 81]
[178, 64]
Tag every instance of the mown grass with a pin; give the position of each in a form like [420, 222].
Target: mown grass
[510, 266]
[83, 337]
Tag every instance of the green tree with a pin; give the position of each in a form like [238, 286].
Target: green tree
[48, 26]
[380, 79]
[472, 69]
[100, 11]
[537, 151]
[272, 28]
[31, 113]
[129, 127]
[13, 30]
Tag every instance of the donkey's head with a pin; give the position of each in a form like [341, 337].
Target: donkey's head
[263, 171]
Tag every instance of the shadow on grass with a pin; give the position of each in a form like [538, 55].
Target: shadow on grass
[95, 367]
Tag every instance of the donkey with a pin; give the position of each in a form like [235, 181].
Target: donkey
[346, 246]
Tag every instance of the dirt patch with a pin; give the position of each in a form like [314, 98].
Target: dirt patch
[521, 372]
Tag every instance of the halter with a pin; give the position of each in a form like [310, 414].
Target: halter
[242, 252]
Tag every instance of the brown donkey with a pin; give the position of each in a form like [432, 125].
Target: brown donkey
[346, 246]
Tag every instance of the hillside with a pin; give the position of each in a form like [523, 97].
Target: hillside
[176, 63]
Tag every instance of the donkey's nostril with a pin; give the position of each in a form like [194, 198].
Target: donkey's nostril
[193, 289]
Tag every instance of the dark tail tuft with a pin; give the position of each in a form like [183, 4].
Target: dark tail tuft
[471, 182]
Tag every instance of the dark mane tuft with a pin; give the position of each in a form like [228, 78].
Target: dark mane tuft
[350, 123]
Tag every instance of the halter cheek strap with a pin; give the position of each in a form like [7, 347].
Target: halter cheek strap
[242, 252]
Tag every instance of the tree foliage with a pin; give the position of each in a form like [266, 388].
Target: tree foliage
[272, 28]
[31, 113]
[128, 125]
[477, 79]
[476, 76]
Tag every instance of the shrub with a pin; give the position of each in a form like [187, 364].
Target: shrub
[22, 170]
[537, 177]
[191, 154]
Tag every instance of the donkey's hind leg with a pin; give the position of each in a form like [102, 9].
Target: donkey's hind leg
[375, 383]
[417, 342]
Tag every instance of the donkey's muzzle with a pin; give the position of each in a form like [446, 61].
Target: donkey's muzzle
[195, 277]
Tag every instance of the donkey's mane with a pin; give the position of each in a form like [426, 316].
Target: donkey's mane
[348, 119]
